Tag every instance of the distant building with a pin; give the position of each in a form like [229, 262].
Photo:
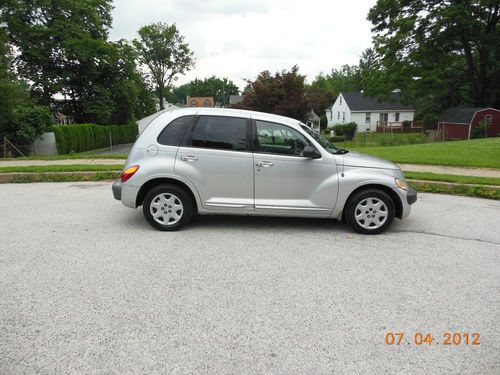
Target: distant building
[368, 112]
[201, 101]
[235, 99]
[313, 120]
[459, 123]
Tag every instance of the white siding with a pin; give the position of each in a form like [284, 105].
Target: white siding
[340, 112]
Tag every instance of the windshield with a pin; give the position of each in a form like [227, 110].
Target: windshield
[327, 145]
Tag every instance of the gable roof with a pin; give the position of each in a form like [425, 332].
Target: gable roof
[459, 115]
[357, 101]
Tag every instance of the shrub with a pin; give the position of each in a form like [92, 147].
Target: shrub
[346, 130]
[479, 131]
[29, 123]
[84, 137]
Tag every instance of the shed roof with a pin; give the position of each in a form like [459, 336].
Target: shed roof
[357, 101]
[459, 115]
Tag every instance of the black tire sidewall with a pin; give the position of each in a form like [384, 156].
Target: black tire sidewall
[187, 204]
[353, 202]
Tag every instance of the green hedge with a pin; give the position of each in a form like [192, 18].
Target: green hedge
[346, 130]
[84, 137]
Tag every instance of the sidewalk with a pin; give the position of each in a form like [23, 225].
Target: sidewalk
[460, 171]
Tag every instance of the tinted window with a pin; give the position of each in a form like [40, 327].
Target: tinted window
[279, 139]
[227, 133]
[174, 131]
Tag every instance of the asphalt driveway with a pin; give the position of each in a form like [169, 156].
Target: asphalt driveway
[86, 286]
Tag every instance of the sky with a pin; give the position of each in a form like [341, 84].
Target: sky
[240, 39]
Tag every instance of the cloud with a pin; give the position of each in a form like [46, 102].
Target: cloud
[239, 39]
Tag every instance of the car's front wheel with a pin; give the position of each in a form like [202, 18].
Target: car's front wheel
[167, 207]
[370, 211]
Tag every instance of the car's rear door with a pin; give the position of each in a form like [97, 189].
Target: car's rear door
[216, 157]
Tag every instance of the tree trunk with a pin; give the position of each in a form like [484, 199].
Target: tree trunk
[160, 96]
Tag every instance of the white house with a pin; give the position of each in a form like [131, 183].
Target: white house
[368, 112]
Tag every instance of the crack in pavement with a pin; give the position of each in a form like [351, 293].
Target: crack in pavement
[448, 236]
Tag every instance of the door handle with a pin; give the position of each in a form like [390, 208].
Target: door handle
[264, 164]
[189, 158]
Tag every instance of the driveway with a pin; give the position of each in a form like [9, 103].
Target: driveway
[86, 286]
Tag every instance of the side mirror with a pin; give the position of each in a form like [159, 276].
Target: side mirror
[311, 152]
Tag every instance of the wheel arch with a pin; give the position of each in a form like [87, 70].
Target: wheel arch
[398, 205]
[161, 181]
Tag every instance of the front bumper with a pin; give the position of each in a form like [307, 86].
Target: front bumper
[117, 190]
[411, 196]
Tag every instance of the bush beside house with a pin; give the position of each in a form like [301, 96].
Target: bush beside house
[84, 137]
[347, 130]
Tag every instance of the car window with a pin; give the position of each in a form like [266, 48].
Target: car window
[226, 133]
[173, 133]
[279, 139]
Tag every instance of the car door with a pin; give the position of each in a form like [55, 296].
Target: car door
[286, 182]
[216, 157]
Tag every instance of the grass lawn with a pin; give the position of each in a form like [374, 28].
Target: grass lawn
[483, 153]
[62, 168]
[426, 176]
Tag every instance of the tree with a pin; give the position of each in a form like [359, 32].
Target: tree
[162, 49]
[282, 94]
[324, 89]
[218, 88]
[447, 52]
[52, 36]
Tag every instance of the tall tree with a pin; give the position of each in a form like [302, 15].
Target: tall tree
[448, 51]
[282, 94]
[163, 50]
[43, 31]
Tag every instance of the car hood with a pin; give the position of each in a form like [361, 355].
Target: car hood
[358, 159]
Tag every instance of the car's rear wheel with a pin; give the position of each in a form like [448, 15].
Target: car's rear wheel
[370, 211]
[167, 207]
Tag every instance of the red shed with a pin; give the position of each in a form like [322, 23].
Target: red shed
[459, 123]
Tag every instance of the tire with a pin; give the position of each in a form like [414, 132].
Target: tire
[167, 207]
[369, 211]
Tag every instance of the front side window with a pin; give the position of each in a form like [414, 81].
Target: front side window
[368, 117]
[279, 139]
[174, 131]
[225, 133]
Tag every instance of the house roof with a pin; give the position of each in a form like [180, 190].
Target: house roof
[312, 116]
[459, 115]
[357, 101]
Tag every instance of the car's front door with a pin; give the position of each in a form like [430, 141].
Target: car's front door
[216, 157]
[286, 182]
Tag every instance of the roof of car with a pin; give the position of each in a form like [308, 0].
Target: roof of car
[233, 112]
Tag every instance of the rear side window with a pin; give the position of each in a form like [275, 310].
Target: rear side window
[226, 133]
[174, 131]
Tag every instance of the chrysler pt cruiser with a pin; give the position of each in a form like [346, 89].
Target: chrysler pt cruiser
[228, 161]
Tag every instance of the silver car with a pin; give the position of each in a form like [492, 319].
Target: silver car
[227, 161]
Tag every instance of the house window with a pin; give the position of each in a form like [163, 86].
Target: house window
[396, 117]
[340, 99]
[338, 115]
[488, 119]
[368, 118]
[343, 116]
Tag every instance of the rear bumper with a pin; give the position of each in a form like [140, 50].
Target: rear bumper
[117, 190]
[411, 196]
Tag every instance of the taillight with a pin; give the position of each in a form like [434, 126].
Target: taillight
[129, 172]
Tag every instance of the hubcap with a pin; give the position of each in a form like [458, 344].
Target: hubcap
[371, 213]
[166, 208]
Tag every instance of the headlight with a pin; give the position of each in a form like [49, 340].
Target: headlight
[401, 184]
